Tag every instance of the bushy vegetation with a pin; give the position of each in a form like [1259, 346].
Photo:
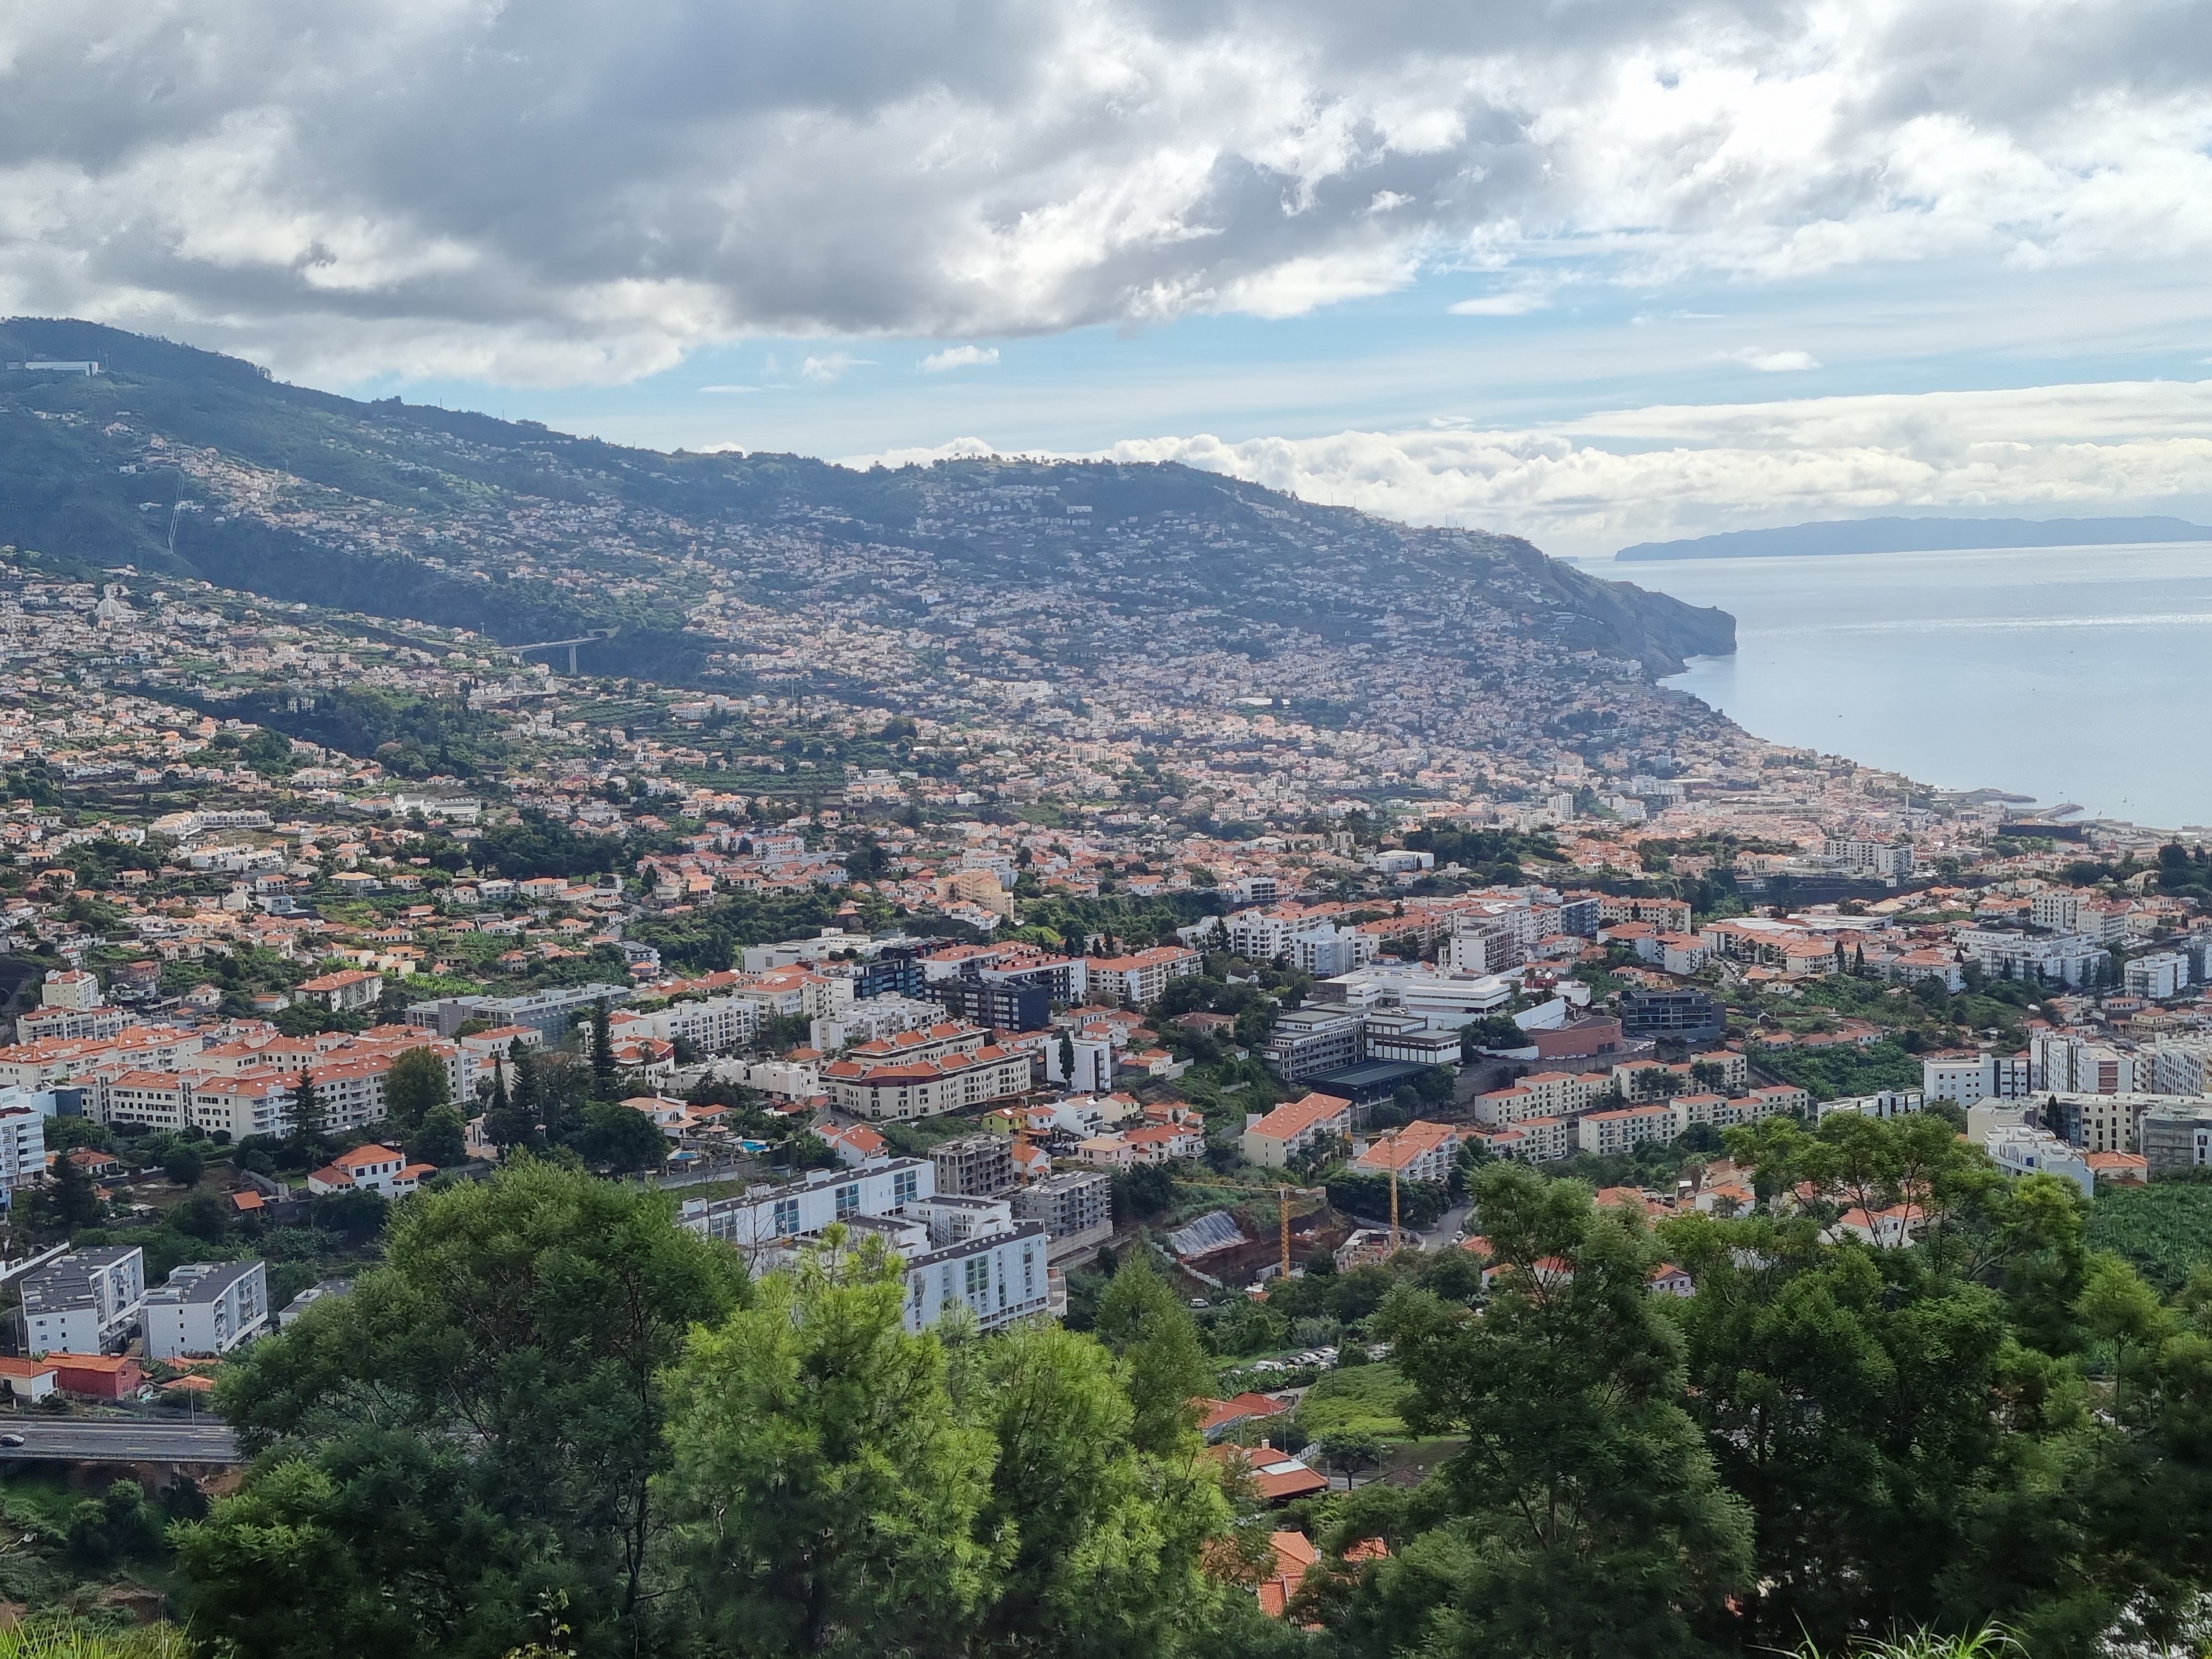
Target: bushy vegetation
[2163, 1231]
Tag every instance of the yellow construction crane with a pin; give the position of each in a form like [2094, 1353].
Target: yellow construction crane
[1282, 1193]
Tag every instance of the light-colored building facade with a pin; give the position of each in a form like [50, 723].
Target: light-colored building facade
[207, 1308]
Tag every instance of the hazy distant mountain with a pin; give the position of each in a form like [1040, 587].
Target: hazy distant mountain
[1920, 536]
[177, 460]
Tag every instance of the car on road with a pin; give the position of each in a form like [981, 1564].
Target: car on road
[11, 1439]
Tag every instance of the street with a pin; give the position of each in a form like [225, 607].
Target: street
[112, 1440]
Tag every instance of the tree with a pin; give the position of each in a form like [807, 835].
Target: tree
[72, 1202]
[470, 1436]
[308, 1118]
[416, 1086]
[183, 1164]
[1585, 1514]
[1106, 1543]
[441, 1139]
[507, 1123]
[603, 1053]
[1164, 1365]
[614, 1136]
[825, 1491]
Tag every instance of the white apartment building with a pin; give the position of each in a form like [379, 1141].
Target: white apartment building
[712, 1025]
[207, 1308]
[2060, 1065]
[924, 1087]
[1139, 978]
[2063, 959]
[2020, 1150]
[22, 1146]
[963, 1255]
[1888, 860]
[1624, 1127]
[2159, 976]
[873, 1018]
[85, 1303]
[2182, 1066]
[1967, 1078]
[1887, 1103]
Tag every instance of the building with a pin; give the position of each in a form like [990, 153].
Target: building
[974, 1166]
[1273, 1138]
[708, 1025]
[2159, 976]
[85, 1303]
[1966, 1077]
[1002, 1005]
[2099, 1123]
[1419, 1152]
[1885, 860]
[2019, 1149]
[1624, 1127]
[550, 1014]
[1673, 1016]
[1138, 980]
[382, 1169]
[207, 1308]
[22, 1146]
[1313, 1039]
[926, 1085]
[345, 991]
[2060, 959]
[1076, 1208]
[2177, 1135]
[968, 1256]
[97, 1375]
[1889, 1103]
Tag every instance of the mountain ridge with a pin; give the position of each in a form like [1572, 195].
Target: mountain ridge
[1900, 534]
[524, 534]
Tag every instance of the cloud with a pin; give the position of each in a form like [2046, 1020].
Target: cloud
[820, 371]
[962, 357]
[566, 192]
[1518, 303]
[1598, 483]
[1773, 362]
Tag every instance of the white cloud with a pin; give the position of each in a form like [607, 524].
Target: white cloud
[1599, 482]
[961, 356]
[1773, 362]
[1517, 303]
[820, 371]
[276, 177]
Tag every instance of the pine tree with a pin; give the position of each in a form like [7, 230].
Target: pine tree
[308, 1117]
[603, 1053]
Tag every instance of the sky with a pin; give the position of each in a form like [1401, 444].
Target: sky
[1590, 271]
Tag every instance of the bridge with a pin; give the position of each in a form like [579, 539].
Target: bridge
[592, 638]
[108, 1440]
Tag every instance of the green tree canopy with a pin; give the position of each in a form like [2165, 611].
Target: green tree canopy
[473, 1430]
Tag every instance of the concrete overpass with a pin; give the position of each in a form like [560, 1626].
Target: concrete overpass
[112, 1440]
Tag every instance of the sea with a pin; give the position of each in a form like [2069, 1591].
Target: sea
[2075, 676]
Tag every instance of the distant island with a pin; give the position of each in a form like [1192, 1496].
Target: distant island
[1919, 536]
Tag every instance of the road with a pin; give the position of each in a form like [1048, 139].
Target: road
[1441, 1236]
[110, 1440]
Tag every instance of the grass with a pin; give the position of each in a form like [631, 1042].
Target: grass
[68, 1639]
[1355, 1400]
[2163, 1229]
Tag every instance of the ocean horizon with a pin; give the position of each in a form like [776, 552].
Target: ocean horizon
[2059, 673]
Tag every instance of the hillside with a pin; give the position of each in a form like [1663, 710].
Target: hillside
[1919, 536]
[733, 571]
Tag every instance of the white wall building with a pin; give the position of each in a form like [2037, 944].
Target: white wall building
[85, 1303]
[207, 1308]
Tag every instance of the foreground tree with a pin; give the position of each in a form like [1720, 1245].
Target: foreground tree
[1583, 1516]
[825, 1491]
[469, 1439]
